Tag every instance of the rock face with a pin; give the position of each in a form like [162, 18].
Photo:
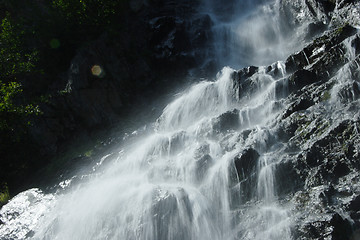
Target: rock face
[319, 167]
[114, 76]
[169, 40]
[315, 136]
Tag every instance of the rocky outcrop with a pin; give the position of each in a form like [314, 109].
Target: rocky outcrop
[113, 76]
[318, 171]
[315, 136]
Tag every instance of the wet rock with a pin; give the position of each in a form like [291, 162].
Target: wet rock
[328, 196]
[167, 218]
[342, 228]
[355, 204]
[324, 55]
[314, 157]
[287, 178]
[315, 28]
[243, 82]
[227, 121]
[176, 142]
[245, 162]
[300, 104]
[300, 79]
[326, 5]
[241, 75]
[245, 165]
[349, 93]
[296, 61]
[202, 165]
[341, 169]
[202, 150]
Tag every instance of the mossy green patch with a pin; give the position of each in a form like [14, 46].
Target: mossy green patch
[89, 153]
[325, 96]
[4, 195]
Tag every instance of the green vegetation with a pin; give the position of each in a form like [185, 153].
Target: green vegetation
[38, 40]
[17, 61]
[89, 153]
[4, 195]
[325, 96]
[13, 115]
[14, 57]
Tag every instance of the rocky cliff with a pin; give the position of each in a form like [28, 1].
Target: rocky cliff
[316, 135]
[153, 47]
[319, 167]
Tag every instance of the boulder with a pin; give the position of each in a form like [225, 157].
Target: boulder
[300, 79]
[245, 164]
[342, 228]
[227, 121]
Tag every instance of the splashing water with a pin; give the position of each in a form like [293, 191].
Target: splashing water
[346, 85]
[180, 180]
[252, 32]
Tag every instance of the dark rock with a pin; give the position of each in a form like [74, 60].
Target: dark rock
[342, 228]
[341, 169]
[245, 162]
[327, 5]
[300, 104]
[313, 230]
[288, 126]
[295, 62]
[227, 121]
[349, 93]
[356, 44]
[165, 211]
[315, 28]
[245, 165]
[244, 73]
[243, 82]
[314, 157]
[355, 204]
[287, 178]
[326, 62]
[30, 234]
[328, 195]
[300, 79]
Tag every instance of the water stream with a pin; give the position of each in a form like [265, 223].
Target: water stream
[179, 180]
[252, 32]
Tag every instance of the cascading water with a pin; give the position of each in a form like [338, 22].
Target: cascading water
[177, 182]
[206, 169]
[252, 32]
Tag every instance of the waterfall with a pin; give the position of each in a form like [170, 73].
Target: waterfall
[252, 32]
[207, 167]
[178, 181]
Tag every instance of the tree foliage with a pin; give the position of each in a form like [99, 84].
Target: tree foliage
[15, 58]
[38, 40]
[17, 61]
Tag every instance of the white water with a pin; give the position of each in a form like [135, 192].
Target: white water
[252, 32]
[176, 183]
[179, 181]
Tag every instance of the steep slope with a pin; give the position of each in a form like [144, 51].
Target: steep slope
[265, 152]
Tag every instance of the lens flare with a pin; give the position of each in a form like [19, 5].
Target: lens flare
[97, 71]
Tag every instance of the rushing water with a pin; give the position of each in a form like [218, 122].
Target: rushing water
[252, 32]
[179, 181]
